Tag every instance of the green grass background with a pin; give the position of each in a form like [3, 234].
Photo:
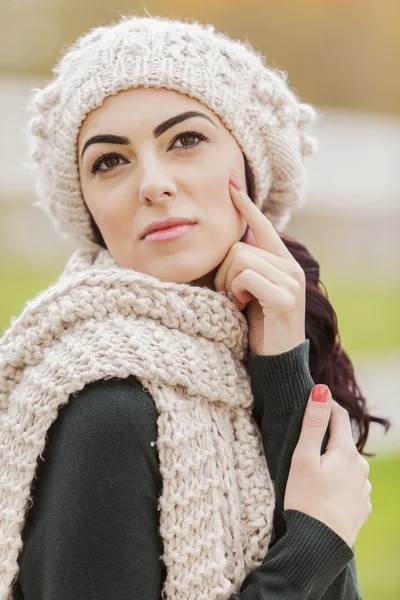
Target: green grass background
[368, 320]
[378, 544]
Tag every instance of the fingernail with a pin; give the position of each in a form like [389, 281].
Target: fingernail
[235, 182]
[320, 393]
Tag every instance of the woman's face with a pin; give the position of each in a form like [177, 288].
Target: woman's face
[158, 172]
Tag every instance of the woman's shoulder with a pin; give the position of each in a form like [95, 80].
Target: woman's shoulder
[111, 402]
[108, 419]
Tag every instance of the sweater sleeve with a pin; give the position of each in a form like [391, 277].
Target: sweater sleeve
[92, 531]
[306, 559]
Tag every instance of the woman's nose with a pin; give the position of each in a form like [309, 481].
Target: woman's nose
[155, 197]
[156, 189]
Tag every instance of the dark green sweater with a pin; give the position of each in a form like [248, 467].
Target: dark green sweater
[92, 532]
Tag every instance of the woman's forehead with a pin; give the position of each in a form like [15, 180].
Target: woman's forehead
[160, 104]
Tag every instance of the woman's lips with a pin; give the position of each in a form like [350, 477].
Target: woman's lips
[171, 233]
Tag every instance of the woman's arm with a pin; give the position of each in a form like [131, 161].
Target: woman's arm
[92, 532]
[281, 386]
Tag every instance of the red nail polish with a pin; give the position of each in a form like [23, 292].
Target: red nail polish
[320, 393]
[235, 182]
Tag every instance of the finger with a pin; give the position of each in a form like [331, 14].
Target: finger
[291, 269]
[249, 238]
[264, 232]
[268, 294]
[314, 426]
[340, 432]
[258, 264]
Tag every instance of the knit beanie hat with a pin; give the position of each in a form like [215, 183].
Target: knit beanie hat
[230, 77]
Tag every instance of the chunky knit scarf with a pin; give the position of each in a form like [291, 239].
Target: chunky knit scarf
[186, 345]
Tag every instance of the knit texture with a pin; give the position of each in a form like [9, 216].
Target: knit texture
[230, 77]
[188, 346]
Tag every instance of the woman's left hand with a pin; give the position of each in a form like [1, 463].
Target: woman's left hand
[266, 280]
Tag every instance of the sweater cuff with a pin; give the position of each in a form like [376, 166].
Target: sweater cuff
[281, 383]
[310, 555]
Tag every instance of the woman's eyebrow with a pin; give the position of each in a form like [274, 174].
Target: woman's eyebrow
[159, 130]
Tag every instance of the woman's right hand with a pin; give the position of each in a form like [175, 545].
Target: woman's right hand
[333, 487]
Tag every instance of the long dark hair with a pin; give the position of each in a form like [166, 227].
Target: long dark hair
[329, 363]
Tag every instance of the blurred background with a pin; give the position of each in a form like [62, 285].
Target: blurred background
[343, 56]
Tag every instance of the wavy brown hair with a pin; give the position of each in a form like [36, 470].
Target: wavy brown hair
[329, 363]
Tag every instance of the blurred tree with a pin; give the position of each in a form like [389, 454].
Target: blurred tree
[340, 53]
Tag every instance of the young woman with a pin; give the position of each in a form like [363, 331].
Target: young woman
[158, 432]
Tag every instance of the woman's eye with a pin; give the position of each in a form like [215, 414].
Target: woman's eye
[190, 135]
[109, 160]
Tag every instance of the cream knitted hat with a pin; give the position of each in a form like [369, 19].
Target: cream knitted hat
[229, 76]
